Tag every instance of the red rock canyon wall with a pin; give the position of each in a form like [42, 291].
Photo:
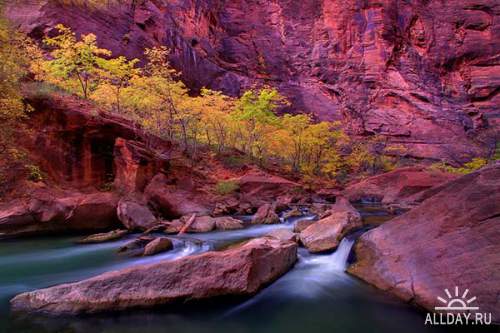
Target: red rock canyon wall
[424, 73]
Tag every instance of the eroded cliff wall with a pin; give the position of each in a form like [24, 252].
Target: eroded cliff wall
[423, 73]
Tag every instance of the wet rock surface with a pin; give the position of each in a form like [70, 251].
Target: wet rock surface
[451, 239]
[104, 237]
[326, 234]
[238, 271]
[158, 245]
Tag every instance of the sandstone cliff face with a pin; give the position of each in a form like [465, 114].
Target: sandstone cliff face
[426, 74]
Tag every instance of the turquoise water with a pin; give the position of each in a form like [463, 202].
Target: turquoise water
[315, 296]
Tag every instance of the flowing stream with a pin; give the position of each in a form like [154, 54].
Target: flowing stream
[315, 296]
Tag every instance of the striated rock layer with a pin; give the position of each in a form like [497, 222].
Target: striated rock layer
[451, 239]
[238, 271]
[425, 74]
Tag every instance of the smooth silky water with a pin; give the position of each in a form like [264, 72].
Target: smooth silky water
[315, 296]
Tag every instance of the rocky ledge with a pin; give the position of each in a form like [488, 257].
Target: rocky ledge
[237, 271]
[451, 239]
[405, 186]
[50, 212]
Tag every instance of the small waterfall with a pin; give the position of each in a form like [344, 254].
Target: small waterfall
[313, 275]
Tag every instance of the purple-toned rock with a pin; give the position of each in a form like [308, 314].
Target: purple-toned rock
[326, 234]
[266, 215]
[237, 271]
[135, 215]
[451, 239]
[157, 245]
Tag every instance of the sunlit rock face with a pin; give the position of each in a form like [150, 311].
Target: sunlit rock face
[426, 74]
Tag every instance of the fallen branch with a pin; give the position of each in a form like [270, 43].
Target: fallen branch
[187, 224]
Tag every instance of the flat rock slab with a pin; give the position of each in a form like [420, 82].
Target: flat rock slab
[104, 237]
[451, 239]
[238, 271]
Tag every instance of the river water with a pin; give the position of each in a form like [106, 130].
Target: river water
[315, 296]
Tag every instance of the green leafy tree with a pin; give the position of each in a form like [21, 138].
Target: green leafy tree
[255, 110]
[214, 108]
[116, 75]
[13, 66]
[75, 59]
[297, 126]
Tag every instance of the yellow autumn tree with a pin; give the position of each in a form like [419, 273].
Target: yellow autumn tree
[115, 75]
[75, 63]
[214, 110]
[255, 112]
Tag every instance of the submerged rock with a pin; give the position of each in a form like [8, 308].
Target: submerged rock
[157, 245]
[325, 234]
[451, 239]
[136, 246]
[237, 271]
[266, 215]
[104, 237]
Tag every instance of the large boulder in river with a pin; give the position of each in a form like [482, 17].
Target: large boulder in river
[46, 213]
[326, 234]
[135, 215]
[401, 186]
[173, 201]
[451, 239]
[237, 271]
